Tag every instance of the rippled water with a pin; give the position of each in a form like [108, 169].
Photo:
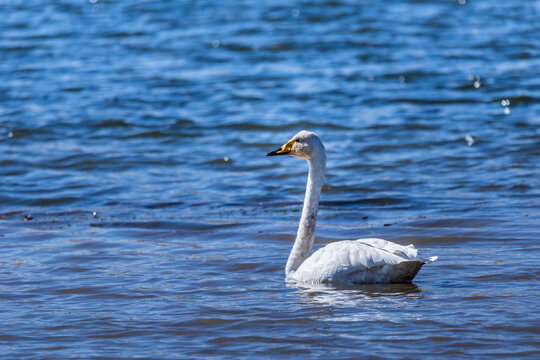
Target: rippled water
[139, 216]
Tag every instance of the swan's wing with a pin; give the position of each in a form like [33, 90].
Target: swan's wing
[407, 252]
[363, 260]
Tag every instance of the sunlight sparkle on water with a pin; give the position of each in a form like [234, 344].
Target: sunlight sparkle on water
[506, 104]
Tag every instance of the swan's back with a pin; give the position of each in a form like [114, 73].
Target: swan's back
[360, 261]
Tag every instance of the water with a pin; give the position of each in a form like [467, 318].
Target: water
[139, 216]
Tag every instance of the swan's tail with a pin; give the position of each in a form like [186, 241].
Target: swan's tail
[405, 271]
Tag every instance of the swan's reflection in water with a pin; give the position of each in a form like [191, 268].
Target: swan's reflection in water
[364, 291]
[369, 302]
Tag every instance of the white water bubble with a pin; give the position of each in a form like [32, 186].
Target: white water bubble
[505, 102]
[506, 110]
[469, 139]
[215, 43]
[295, 12]
[10, 134]
[477, 84]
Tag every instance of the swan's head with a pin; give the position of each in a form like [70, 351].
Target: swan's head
[304, 145]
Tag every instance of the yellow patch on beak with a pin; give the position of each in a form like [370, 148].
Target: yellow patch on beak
[285, 149]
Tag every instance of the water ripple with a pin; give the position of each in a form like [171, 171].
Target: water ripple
[140, 217]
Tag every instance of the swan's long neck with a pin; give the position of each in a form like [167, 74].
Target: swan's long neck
[306, 230]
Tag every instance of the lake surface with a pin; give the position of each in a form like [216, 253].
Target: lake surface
[139, 216]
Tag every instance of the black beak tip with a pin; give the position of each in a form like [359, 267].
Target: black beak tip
[272, 153]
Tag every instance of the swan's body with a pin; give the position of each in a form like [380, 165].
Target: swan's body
[351, 261]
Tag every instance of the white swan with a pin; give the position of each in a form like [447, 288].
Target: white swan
[350, 261]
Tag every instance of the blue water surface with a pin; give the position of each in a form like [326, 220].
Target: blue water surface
[140, 218]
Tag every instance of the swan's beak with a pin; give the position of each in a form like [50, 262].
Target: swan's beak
[284, 150]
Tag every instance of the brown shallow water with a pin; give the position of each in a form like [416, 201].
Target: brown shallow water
[139, 217]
